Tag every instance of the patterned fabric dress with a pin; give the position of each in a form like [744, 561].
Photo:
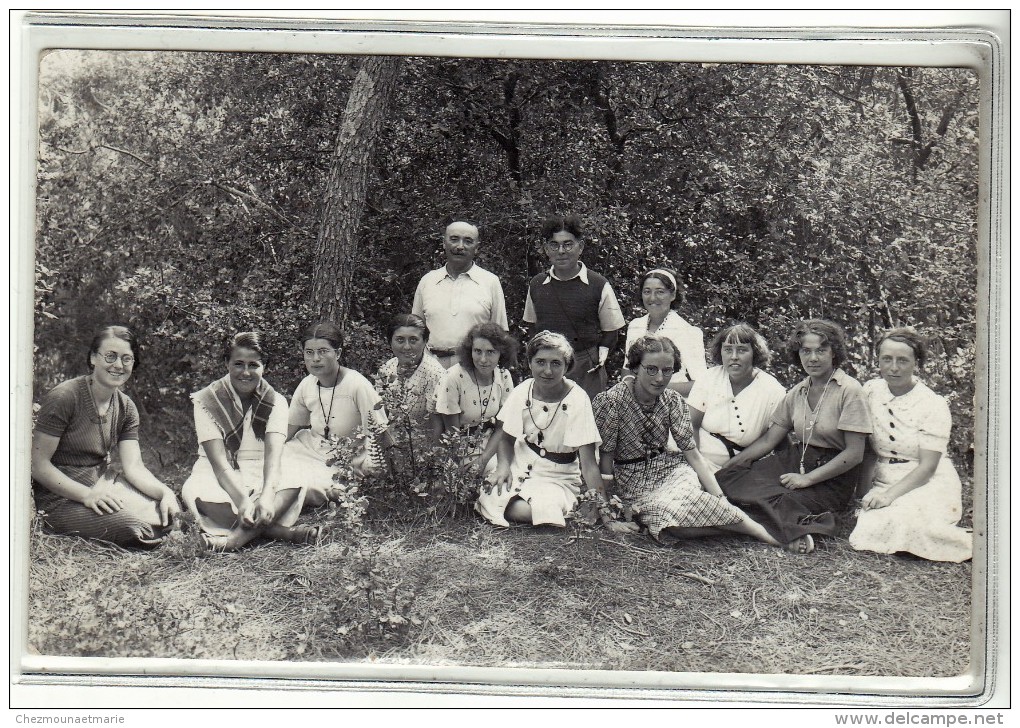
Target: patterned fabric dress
[550, 488]
[663, 488]
[459, 394]
[408, 404]
[922, 521]
[68, 411]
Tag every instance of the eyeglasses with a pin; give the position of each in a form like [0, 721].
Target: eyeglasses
[566, 247]
[321, 353]
[653, 371]
[125, 359]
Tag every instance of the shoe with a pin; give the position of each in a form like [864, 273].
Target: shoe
[803, 545]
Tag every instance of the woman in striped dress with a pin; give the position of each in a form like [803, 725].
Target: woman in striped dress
[78, 425]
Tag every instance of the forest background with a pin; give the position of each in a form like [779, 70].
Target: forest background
[193, 195]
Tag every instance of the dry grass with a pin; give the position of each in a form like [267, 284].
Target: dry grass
[460, 592]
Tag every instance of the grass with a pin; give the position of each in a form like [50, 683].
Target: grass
[408, 589]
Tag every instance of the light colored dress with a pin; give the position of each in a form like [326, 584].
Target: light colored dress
[352, 404]
[660, 484]
[202, 493]
[923, 521]
[550, 488]
[459, 394]
[689, 341]
[741, 419]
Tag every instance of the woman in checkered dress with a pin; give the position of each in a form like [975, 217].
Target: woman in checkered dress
[672, 491]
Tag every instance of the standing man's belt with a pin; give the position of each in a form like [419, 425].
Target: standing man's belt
[442, 352]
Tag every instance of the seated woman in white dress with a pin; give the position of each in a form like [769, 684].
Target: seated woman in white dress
[914, 500]
[331, 403]
[474, 390]
[732, 404]
[659, 291]
[547, 440]
[672, 490]
[234, 491]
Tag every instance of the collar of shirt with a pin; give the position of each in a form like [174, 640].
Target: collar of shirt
[582, 274]
[888, 399]
[447, 274]
[838, 378]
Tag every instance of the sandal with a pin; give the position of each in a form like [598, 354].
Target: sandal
[306, 535]
[803, 545]
[215, 544]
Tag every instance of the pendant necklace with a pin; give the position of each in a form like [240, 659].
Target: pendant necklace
[545, 408]
[484, 403]
[810, 429]
[325, 416]
[107, 442]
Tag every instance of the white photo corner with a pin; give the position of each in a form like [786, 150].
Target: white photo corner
[180, 175]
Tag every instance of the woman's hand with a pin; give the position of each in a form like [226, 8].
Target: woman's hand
[500, 479]
[876, 500]
[247, 511]
[101, 499]
[795, 481]
[265, 509]
[168, 508]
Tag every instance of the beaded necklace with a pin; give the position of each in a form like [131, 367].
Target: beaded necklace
[329, 416]
[545, 408]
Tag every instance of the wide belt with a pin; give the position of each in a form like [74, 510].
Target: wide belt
[893, 461]
[648, 456]
[442, 352]
[732, 448]
[562, 458]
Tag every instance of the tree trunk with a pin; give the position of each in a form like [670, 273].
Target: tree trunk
[347, 187]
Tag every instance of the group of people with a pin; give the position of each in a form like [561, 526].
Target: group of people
[696, 450]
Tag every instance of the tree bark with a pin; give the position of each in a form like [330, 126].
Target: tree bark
[347, 186]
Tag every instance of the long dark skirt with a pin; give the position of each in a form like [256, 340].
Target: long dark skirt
[789, 514]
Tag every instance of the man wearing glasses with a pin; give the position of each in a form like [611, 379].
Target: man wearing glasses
[459, 295]
[576, 302]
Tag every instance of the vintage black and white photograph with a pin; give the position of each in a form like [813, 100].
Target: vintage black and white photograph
[586, 364]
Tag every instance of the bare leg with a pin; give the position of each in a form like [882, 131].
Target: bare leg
[238, 537]
[693, 532]
[518, 510]
[754, 529]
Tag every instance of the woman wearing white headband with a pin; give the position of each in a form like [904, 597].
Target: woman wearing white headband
[659, 290]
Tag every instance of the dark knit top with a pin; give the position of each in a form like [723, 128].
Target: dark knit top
[570, 308]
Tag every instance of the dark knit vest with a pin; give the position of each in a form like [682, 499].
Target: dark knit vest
[569, 307]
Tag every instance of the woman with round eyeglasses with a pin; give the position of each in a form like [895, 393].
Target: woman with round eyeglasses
[732, 403]
[659, 292]
[672, 491]
[474, 390]
[546, 443]
[331, 403]
[913, 498]
[236, 491]
[78, 425]
[795, 491]
[408, 384]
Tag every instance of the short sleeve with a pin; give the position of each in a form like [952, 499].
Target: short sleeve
[853, 412]
[418, 307]
[610, 315]
[205, 427]
[278, 417]
[935, 425]
[581, 428]
[449, 392]
[56, 410]
[511, 414]
[129, 422]
[680, 426]
[632, 335]
[783, 416]
[529, 309]
[498, 315]
[506, 383]
[701, 395]
[368, 402]
[299, 415]
[606, 409]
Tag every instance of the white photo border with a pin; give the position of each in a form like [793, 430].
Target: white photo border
[978, 46]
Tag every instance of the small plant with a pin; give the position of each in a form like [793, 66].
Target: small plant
[594, 510]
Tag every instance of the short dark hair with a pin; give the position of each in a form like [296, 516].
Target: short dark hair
[829, 332]
[550, 340]
[745, 334]
[557, 224]
[114, 331]
[246, 340]
[407, 319]
[651, 344]
[909, 336]
[504, 343]
[324, 330]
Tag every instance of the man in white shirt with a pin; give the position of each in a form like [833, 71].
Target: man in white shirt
[454, 298]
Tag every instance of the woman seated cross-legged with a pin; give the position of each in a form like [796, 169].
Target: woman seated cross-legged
[235, 490]
[546, 446]
[79, 423]
[332, 402]
[672, 491]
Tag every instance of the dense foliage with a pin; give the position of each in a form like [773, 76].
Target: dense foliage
[182, 192]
